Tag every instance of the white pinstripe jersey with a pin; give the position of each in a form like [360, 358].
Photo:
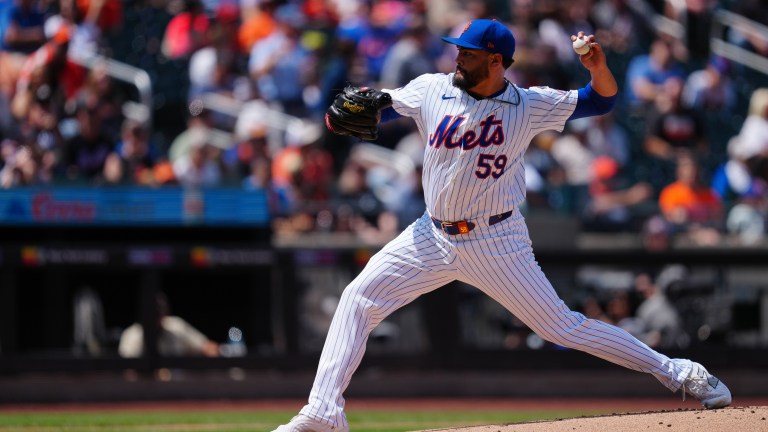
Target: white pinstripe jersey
[473, 161]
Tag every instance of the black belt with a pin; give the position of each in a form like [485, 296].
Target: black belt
[463, 226]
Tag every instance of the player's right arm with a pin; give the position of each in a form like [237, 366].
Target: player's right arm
[599, 96]
[592, 103]
[602, 79]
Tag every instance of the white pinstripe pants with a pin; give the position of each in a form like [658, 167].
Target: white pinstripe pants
[496, 259]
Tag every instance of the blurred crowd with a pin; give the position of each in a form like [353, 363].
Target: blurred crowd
[240, 88]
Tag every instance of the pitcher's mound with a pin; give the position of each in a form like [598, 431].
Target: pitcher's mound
[733, 419]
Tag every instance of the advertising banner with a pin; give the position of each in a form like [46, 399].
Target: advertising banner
[133, 206]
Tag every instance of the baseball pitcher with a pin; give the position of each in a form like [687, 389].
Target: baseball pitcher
[476, 126]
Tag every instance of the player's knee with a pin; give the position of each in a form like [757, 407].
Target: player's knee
[356, 300]
[566, 329]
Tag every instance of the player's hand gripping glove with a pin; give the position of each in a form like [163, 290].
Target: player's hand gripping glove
[356, 112]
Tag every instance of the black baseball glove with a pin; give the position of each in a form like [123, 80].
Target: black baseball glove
[356, 112]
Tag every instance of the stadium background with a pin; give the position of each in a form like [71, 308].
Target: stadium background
[93, 229]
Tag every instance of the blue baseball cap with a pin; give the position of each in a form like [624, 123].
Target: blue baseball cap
[487, 35]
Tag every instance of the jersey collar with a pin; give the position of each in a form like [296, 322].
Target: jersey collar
[493, 96]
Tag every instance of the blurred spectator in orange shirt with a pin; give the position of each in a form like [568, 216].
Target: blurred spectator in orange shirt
[688, 204]
[257, 24]
[689, 200]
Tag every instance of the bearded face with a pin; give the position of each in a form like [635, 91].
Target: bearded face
[472, 68]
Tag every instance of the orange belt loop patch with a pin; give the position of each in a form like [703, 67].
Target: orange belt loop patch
[463, 228]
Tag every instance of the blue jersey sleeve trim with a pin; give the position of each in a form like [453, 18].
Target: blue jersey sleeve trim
[591, 103]
[388, 114]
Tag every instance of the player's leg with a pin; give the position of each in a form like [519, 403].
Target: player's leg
[504, 267]
[415, 263]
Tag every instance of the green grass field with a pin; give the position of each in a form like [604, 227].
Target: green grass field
[238, 421]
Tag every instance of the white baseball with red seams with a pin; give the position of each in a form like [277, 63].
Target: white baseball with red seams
[581, 45]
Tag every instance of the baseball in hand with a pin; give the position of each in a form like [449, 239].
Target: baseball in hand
[581, 45]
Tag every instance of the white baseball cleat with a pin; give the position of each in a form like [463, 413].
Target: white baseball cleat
[302, 423]
[708, 389]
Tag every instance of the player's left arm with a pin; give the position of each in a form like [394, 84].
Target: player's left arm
[388, 114]
[599, 96]
[408, 99]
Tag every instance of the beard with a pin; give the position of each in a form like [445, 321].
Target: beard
[469, 79]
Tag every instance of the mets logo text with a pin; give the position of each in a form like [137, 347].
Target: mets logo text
[490, 133]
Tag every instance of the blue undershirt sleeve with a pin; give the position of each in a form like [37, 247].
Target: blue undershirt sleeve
[591, 103]
[388, 114]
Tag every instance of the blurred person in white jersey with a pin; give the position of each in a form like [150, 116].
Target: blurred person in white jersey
[477, 125]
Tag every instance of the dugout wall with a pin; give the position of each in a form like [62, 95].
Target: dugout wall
[280, 293]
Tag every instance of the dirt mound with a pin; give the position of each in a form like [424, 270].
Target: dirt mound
[733, 419]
